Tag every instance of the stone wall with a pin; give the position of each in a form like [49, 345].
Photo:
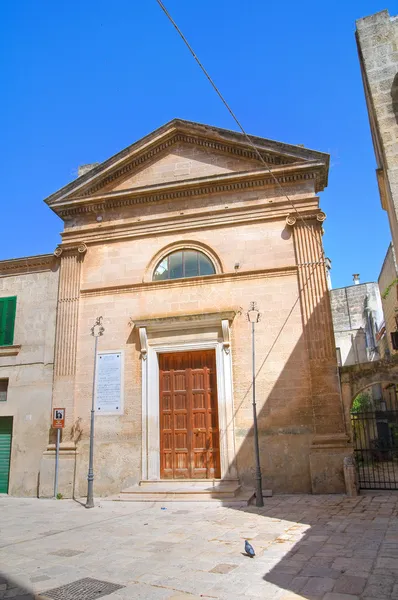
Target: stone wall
[30, 369]
[377, 38]
[389, 295]
[116, 233]
[353, 307]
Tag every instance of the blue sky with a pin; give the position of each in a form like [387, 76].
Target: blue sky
[82, 80]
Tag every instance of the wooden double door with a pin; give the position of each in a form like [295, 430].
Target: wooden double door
[189, 430]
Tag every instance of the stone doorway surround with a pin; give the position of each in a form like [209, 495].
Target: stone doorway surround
[206, 331]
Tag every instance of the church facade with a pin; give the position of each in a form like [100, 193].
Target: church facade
[169, 242]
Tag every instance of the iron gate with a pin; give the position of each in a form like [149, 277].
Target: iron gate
[375, 436]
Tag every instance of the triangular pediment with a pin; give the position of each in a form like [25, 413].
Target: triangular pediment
[178, 152]
[183, 161]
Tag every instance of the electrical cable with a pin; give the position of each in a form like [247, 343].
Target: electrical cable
[235, 118]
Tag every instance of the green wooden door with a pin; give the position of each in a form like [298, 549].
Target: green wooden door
[5, 452]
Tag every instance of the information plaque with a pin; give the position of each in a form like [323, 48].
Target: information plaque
[108, 389]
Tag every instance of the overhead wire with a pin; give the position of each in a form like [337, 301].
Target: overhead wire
[235, 118]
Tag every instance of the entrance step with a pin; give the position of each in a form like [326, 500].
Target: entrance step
[198, 490]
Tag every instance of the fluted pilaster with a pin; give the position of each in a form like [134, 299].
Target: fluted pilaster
[316, 311]
[71, 259]
[318, 325]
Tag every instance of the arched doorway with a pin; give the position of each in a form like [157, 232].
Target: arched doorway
[374, 423]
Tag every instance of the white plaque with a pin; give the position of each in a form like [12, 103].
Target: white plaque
[108, 389]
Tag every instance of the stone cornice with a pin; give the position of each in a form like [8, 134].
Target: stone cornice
[28, 264]
[176, 322]
[209, 219]
[204, 186]
[128, 288]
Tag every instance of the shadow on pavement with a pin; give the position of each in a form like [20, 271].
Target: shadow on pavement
[328, 547]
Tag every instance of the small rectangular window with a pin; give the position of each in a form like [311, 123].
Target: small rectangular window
[3, 390]
[7, 320]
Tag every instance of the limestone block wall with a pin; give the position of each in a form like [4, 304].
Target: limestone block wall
[208, 194]
[30, 370]
[377, 37]
[354, 309]
[283, 388]
[389, 294]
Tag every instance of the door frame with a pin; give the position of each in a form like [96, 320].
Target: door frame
[151, 406]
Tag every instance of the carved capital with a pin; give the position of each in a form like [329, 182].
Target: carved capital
[226, 335]
[80, 249]
[321, 216]
[291, 219]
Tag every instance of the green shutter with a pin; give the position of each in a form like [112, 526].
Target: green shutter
[5, 452]
[7, 320]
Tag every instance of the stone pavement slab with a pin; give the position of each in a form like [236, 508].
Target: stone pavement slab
[307, 548]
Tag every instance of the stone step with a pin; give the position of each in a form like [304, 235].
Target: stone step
[185, 491]
[243, 498]
[190, 483]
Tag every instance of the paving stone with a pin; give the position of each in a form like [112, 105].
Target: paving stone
[223, 568]
[297, 583]
[350, 584]
[319, 571]
[379, 586]
[318, 585]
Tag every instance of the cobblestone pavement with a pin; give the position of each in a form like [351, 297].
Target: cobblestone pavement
[307, 547]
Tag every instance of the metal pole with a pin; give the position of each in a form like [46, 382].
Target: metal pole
[259, 487]
[56, 463]
[90, 476]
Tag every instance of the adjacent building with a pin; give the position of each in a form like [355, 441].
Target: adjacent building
[377, 41]
[28, 301]
[388, 284]
[357, 316]
[170, 241]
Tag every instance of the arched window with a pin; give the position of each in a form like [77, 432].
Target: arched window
[183, 263]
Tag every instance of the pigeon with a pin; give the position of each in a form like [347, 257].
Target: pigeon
[249, 549]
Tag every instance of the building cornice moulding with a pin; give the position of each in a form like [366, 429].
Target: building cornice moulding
[209, 219]
[126, 288]
[184, 321]
[26, 265]
[204, 186]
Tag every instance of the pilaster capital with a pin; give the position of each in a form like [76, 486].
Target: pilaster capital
[292, 218]
[80, 248]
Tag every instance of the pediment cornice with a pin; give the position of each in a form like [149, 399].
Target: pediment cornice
[217, 184]
[220, 141]
[180, 138]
